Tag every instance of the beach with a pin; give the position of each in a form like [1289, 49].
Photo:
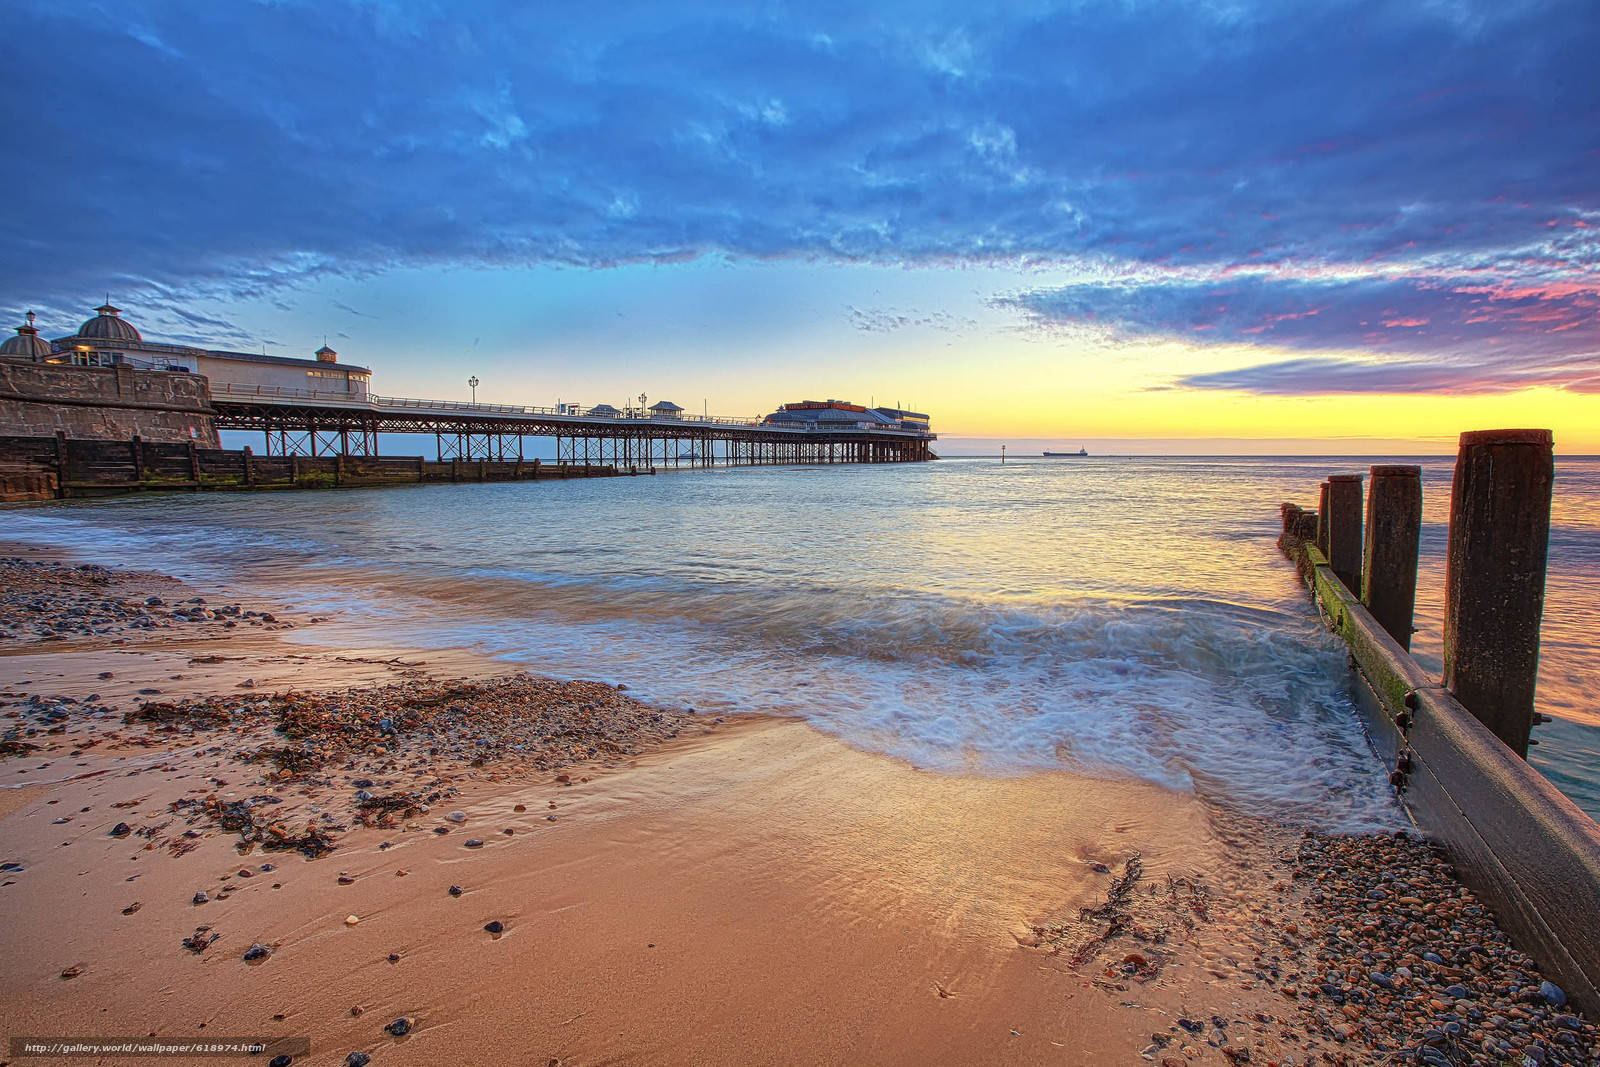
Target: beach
[669, 887]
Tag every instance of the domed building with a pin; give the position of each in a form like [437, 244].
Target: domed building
[109, 325]
[109, 340]
[26, 345]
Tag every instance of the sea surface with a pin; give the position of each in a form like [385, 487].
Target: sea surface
[1119, 616]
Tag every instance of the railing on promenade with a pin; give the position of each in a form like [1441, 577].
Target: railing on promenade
[382, 404]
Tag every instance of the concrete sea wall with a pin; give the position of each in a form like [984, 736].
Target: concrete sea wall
[115, 403]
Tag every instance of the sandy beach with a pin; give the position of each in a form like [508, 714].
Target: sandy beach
[421, 856]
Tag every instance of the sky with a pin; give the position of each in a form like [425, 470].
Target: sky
[1136, 226]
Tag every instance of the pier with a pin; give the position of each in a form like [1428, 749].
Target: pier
[301, 422]
[1456, 744]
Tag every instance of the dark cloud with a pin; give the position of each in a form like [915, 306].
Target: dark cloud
[241, 149]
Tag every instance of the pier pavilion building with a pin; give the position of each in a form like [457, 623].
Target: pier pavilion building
[109, 340]
[841, 414]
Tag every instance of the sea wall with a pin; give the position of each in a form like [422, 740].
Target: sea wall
[1515, 839]
[44, 468]
[104, 403]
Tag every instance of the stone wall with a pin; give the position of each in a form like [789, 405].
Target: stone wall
[104, 403]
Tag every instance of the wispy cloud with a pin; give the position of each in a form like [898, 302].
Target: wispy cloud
[888, 320]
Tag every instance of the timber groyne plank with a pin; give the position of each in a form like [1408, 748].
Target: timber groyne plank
[1516, 840]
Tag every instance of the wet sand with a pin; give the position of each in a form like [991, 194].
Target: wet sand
[748, 891]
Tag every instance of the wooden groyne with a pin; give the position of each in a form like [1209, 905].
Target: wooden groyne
[51, 468]
[1455, 745]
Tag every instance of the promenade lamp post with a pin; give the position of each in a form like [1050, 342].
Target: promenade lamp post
[472, 383]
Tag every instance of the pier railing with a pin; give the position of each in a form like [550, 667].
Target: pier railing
[373, 402]
[1456, 744]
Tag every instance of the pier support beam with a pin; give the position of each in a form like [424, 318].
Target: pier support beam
[1344, 529]
[1494, 576]
[1394, 532]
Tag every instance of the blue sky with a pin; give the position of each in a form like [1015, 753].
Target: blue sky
[744, 202]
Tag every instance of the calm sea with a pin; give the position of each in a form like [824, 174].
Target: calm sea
[1119, 616]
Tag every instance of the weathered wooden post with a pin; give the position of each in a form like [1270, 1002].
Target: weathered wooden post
[1394, 532]
[136, 447]
[535, 468]
[194, 464]
[1322, 522]
[61, 463]
[1494, 576]
[249, 467]
[1344, 529]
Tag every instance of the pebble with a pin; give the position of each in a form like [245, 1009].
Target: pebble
[494, 926]
[455, 891]
[201, 897]
[122, 829]
[1445, 987]
[281, 1061]
[256, 951]
[457, 816]
[473, 842]
[357, 1059]
[401, 1026]
[346, 879]
[351, 920]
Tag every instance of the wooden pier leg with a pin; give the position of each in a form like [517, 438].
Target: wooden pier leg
[1394, 532]
[61, 463]
[1344, 529]
[249, 458]
[1494, 576]
[1322, 522]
